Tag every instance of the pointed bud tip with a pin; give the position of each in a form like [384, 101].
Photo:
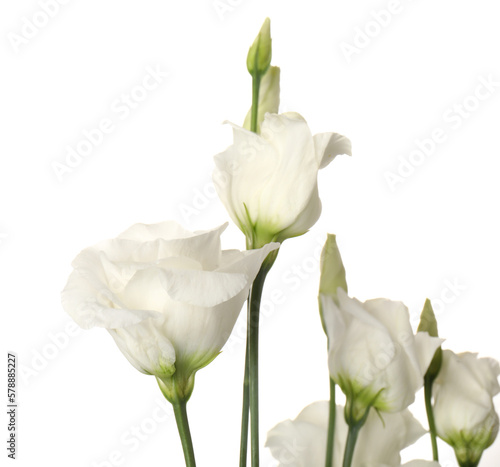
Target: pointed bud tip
[428, 322]
[259, 55]
[332, 268]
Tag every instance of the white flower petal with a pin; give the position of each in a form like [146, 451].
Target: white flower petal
[268, 182]
[306, 218]
[302, 442]
[383, 437]
[146, 348]
[98, 307]
[330, 145]
[248, 261]
[202, 288]
[119, 285]
[373, 351]
[463, 398]
[210, 288]
[426, 348]
[167, 230]
[159, 243]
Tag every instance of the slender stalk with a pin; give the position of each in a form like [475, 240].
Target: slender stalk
[352, 437]
[256, 77]
[355, 424]
[183, 426]
[253, 344]
[245, 415]
[331, 426]
[430, 416]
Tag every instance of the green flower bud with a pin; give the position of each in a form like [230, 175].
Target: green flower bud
[332, 269]
[428, 323]
[259, 55]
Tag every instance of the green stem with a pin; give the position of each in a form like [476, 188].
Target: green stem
[468, 463]
[245, 415]
[354, 426]
[256, 77]
[253, 344]
[331, 426]
[430, 416]
[352, 437]
[183, 426]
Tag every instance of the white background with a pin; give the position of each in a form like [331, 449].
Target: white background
[81, 403]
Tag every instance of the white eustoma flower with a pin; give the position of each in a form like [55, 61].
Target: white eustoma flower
[373, 355]
[168, 296]
[268, 181]
[463, 404]
[302, 442]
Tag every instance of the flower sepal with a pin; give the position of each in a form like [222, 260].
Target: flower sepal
[176, 388]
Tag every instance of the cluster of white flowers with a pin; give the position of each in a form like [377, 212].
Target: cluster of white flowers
[170, 299]
[380, 363]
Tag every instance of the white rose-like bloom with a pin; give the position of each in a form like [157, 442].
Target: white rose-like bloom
[268, 181]
[302, 442]
[168, 296]
[373, 355]
[463, 403]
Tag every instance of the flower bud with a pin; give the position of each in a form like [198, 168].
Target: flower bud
[332, 269]
[259, 55]
[428, 323]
